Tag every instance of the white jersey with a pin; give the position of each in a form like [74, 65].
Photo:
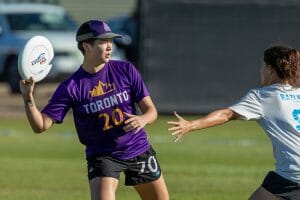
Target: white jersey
[277, 110]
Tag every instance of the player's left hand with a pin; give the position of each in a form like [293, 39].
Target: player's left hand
[136, 122]
[180, 127]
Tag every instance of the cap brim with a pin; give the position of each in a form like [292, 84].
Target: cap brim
[108, 36]
[102, 36]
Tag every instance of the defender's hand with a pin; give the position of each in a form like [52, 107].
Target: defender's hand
[180, 127]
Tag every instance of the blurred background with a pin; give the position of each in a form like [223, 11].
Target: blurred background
[195, 55]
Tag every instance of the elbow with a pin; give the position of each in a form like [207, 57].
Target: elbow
[226, 116]
[37, 130]
[39, 127]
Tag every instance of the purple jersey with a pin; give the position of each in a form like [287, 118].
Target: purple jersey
[99, 101]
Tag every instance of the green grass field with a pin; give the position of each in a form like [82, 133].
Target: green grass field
[222, 163]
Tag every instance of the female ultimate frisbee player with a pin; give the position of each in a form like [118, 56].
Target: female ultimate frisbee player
[276, 107]
[102, 95]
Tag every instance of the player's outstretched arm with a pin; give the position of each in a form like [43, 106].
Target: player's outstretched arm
[182, 126]
[37, 120]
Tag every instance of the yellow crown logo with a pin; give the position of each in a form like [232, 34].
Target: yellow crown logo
[102, 88]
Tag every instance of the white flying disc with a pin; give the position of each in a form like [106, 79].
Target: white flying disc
[34, 59]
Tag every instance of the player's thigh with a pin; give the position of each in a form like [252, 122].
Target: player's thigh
[155, 190]
[262, 194]
[103, 188]
[103, 174]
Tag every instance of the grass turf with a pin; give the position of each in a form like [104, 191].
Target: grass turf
[225, 162]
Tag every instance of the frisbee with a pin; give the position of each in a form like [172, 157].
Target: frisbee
[34, 59]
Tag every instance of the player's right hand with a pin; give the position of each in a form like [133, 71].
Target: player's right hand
[180, 127]
[26, 86]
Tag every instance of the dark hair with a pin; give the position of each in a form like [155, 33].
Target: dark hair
[285, 61]
[90, 41]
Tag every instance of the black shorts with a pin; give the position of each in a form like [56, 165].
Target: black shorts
[140, 169]
[281, 187]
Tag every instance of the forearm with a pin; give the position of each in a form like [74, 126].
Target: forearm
[148, 109]
[215, 118]
[150, 115]
[34, 116]
[138, 122]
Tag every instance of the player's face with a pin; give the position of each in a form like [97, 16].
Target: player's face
[102, 50]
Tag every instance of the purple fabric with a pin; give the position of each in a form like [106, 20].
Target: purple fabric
[98, 102]
[99, 27]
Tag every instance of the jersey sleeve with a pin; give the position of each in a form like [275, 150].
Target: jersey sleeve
[139, 88]
[249, 106]
[58, 105]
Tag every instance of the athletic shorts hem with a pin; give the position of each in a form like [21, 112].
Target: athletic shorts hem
[281, 187]
[143, 182]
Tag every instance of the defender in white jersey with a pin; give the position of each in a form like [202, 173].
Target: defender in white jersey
[276, 107]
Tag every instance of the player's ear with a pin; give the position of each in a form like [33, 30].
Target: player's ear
[86, 46]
